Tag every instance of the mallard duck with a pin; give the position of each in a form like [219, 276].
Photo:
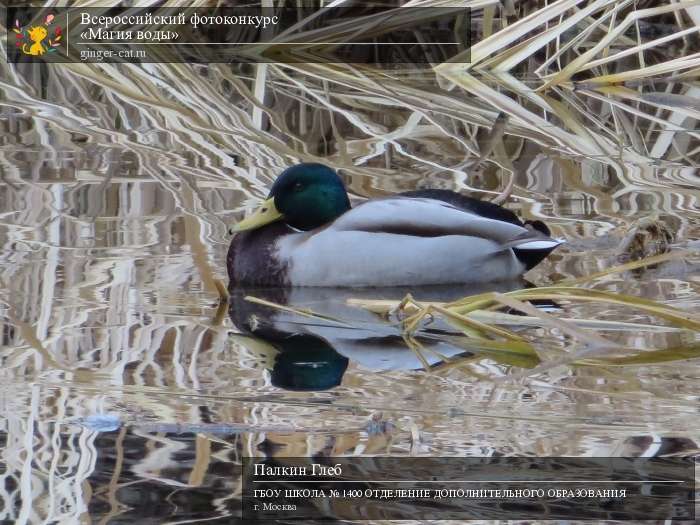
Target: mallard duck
[307, 234]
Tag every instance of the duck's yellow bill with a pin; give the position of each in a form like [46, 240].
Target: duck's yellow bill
[265, 214]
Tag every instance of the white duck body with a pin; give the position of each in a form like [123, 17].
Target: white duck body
[398, 240]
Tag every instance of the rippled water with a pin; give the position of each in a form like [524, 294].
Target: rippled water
[128, 394]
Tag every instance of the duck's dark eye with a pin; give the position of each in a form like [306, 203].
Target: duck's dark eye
[298, 186]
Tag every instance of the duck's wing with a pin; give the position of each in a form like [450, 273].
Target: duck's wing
[424, 217]
[483, 208]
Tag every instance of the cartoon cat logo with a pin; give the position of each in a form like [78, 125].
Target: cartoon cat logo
[36, 36]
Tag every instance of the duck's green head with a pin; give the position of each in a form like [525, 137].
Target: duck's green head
[304, 196]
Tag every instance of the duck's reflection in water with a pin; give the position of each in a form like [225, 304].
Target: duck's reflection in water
[312, 353]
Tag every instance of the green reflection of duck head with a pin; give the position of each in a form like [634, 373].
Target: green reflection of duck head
[307, 362]
[299, 362]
